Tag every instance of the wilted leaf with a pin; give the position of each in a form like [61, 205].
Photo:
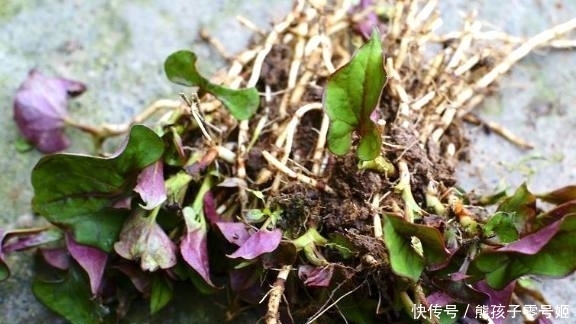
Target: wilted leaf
[263, 241]
[404, 259]
[194, 246]
[150, 185]
[70, 297]
[560, 196]
[142, 238]
[352, 93]
[180, 68]
[160, 294]
[548, 251]
[78, 192]
[21, 239]
[40, 110]
[91, 259]
[316, 276]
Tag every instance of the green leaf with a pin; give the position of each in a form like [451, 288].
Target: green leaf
[180, 68]
[78, 192]
[555, 257]
[502, 225]
[70, 297]
[404, 258]
[160, 294]
[521, 207]
[352, 94]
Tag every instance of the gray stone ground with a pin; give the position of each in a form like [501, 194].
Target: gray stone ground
[117, 48]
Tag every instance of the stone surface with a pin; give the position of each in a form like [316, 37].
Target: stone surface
[117, 48]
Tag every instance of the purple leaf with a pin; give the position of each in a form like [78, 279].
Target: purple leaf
[560, 196]
[194, 246]
[56, 257]
[439, 298]
[261, 242]
[150, 185]
[142, 238]
[532, 243]
[210, 208]
[21, 239]
[91, 259]
[315, 276]
[139, 278]
[245, 282]
[235, 233]
[369, 21]
[496, 297]
[40, 110]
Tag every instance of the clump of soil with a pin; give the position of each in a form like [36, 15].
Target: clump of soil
[434, 81]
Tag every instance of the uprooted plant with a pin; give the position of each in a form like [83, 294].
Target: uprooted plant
[261, 199]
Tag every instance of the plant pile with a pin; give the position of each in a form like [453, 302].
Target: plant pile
[311, 182]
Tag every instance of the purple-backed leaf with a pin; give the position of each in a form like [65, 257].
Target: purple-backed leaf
[316, 276]
[261, 242]
[533, 243]
[235, 233]
[496, 297]
[91, 259]
[40, 110]
[140, 279]
[557, 213]
[21, 239]
[4, 270]
[194, 245]
[559, 196]
[439, 298]
[245, 282]
[58, 258]
[548, 251]
[210, 208]
[150, 185]
[142, 238]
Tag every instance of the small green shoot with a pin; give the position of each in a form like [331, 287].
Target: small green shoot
[352, 94]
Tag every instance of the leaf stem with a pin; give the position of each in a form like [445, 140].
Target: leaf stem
[411, 208]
